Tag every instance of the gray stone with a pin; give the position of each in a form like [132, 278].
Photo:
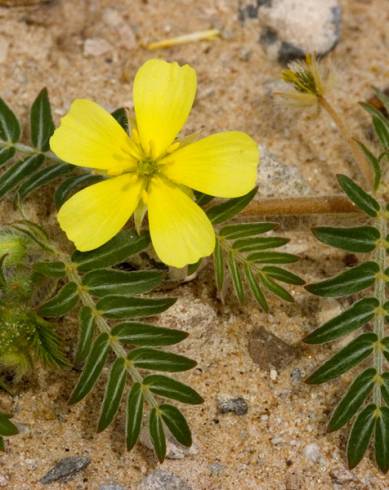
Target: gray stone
[312, 453]
[163, 480]
[296, 375]
[65, 469]
[269, 351]
[236, 405]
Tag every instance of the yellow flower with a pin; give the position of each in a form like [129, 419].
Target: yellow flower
[150, 169]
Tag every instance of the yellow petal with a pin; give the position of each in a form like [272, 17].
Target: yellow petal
[163, 97]
[97, 213]
[222, 165]
[180, 230]
[89, 136]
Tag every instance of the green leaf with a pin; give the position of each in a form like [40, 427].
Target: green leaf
[202, 199]
[282, 275]
[145, 358]
[157, 434]
[73, 183]
[50, 269]
[374, 162]
[351, 281]
[345, 359]
[355, 317]
[43, 177]
[227, 210]
[218, 263]
[7, 428]
[259, 243]
[383, 98]
[108, 282]
[6, 154]
[92, 369]
[275, 288]
[20, 170]
[374, 111]
[360, 435]
[127, 307]
[272, 258]
[176, 423]
[360, 239]
[170, 388]
[385, 344]
[382, 131]
[255, 289]
[113, 393]
[353, 399]
[47, 345]
[382, 440]
[9, 125]
[65, 300]
[385, 387]
[2, 444]
[134, 415]
[233, 267]
[42, 125]
[144, 334]
[118, 249]
[86, 332]
[121, 117]
[245, 230]
[192, 268]
[358, 196]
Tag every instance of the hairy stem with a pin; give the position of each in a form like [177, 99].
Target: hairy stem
[298, 206]
[29, 150]
[358, 155]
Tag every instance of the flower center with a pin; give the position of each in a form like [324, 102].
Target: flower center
[147, 167]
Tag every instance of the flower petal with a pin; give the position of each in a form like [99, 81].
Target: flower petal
[222, 165]
[180, 230]
[89, 136]
[163, 97]
[94, 215]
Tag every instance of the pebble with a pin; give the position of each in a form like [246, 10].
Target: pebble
[273, 374]
[65, 469]
[96, 47]
[268, 351]
[312, 453]
[163, 480]
[236, 405]
[296, 375]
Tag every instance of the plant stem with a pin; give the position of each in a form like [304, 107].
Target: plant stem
[29, 150]
[298, 206]
[358, 155]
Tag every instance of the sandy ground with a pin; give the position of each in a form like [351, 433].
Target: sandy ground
[51, 45]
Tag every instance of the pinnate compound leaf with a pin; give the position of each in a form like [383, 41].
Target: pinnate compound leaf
[127, 307]
[19, 171]
[275, 288]
[50, 269]
[258, 244]
[85, 335]
[382, 439]
[118, 249]
[7, 428]
[73, 183]
[245, 230]
[170, 388]
[9, 125]
[157, 434]
[282, 275]
[92, 369]
[134, 414]
[349, 282]
[43, 177]
[361, 239]
[233, 267]
[381, 129]
[348, 357]
[358, 196]
[228, 209]
[176, 423]
[353, 399]
[355, 317]
[113, 393]
[272, 258]
[6, 154]
[218, 262]
[42, 125]
[360, 435]
[374, 162]
[105, 282]
[65, 300]
[385, 387]
[47, 345]
[144, 334]
[145, 358]
[385, 344]
[255, 288]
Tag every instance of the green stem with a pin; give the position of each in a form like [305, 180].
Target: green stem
[29, 150]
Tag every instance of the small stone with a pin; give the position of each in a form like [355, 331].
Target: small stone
[340, 476]
[296, 375]
[65, 469]
[237, 405]
[96, 47]
[163, 480]
[312, 453]
[273, 374]
[268, 351]
[276, 441]
[111, 486]
[292, 28]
